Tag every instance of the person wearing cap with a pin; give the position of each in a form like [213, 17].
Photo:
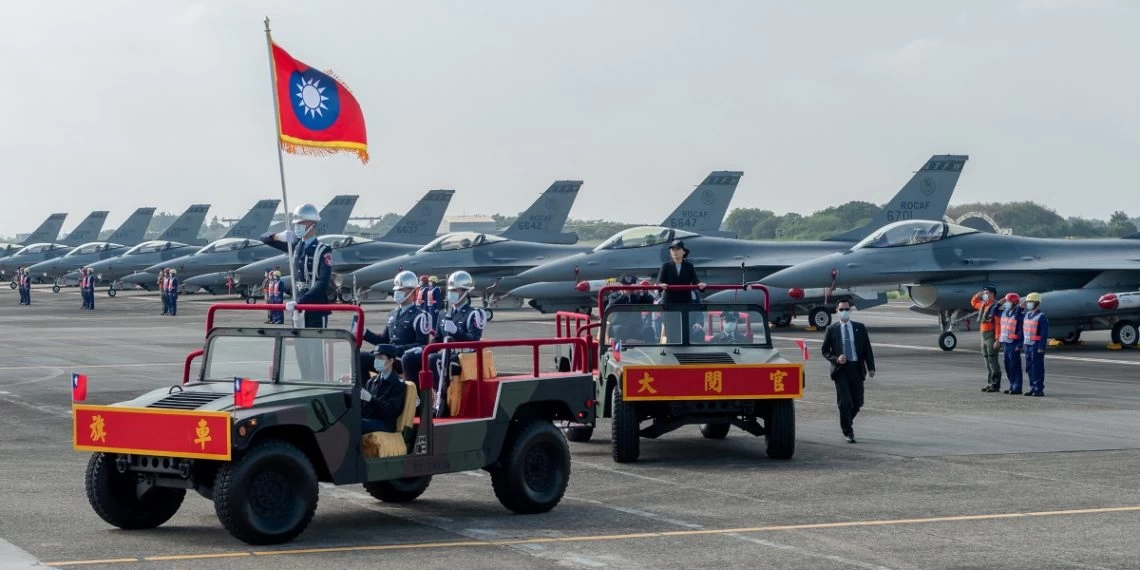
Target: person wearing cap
[985, 303]
[462, 322]
[275, 294]
[730, 332]
[24, 283]
[382, 394]
[162, 276]
[1010, 318]
[87, 289]
[678, 271]
[312, 263]
[1035, 333]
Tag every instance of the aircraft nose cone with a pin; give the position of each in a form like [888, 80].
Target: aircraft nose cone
[384, 286]
[140, 278]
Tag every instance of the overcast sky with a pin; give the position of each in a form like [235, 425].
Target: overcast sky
[817, 102]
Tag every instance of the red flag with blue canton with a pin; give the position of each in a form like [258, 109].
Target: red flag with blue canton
[245, 390]
[78, 387]
[316, 112]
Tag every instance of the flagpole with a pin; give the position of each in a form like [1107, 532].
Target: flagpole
[280, 162]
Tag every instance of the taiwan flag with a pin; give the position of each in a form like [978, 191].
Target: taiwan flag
[802, 343]
[245, 390]
[317, 115]
[78, 387]
[617, 350]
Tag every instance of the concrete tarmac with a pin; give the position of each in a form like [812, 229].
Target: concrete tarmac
[943, 476]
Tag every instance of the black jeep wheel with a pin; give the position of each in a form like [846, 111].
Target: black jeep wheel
[535, 471]
[715, 431]
[398, 490]
[625, 431]
[577, 433]
[780, 429]
[268, 496]
[116, 499]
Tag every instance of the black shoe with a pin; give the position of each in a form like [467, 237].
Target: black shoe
[1039, 394]
[1030, 393]
[1013, 392]
[989, 389]
[850, 438]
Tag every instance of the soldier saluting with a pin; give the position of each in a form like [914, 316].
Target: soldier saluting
[312, 263]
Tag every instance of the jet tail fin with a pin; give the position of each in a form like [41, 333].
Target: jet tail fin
[335, 214]
[88, 230]
[186, 227]
[254, 222]
[703, 211]
[422, 221]
[48, 230]
[544, 220]
[924, 197]
[133, 231]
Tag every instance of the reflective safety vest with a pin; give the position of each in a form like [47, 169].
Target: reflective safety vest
[170, 285]
[1029, 328]
[1009, 327]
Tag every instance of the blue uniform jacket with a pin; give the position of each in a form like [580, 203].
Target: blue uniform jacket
[406, 330]
[302, 262]
[469, 323]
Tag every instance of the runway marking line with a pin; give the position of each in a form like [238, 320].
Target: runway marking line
[592, 538]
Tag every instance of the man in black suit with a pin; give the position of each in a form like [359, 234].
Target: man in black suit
[848, 348]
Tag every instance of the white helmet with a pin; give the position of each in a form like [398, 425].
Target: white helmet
[306, 213]
[405, 280]
[460, 280]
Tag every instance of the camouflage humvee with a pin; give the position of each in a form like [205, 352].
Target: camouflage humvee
[261, 465]
[710, 364]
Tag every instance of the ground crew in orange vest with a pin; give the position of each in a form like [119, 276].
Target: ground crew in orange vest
[1009, 337]
[1035, 327]
[985, 303]
[163, 277]
[172, 292]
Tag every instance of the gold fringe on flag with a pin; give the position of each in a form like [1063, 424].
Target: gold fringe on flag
[323, 149]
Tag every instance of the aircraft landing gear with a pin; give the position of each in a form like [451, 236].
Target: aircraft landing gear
[55, 286]
[782, 321]
[1071, 338]
[112, 291]
[1125, 333]
[948, 319]
[820, 318]
[12, 285]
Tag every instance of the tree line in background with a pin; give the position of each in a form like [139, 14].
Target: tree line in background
[1024, 218]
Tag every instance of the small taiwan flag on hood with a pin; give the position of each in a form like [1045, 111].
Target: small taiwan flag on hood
[78, 387]
[617, 350]
[245, 390]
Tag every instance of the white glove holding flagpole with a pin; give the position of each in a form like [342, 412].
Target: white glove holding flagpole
[291, 306]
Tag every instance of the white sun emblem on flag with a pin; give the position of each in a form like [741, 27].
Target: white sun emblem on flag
[312, 98]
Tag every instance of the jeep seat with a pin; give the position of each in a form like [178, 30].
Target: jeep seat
[392, 444]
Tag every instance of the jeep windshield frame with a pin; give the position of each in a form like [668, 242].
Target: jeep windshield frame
[687, 312]
[275, 368]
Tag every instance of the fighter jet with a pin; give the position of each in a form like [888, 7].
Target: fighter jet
[535, 238]
[216, 260]
[167, 247]
[130, 233]
[565, 283]
[188, 224]
[350, 253]
[943, 265]
[45, 234]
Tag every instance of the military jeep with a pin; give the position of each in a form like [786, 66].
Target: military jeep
[261, 463]
[711, 364]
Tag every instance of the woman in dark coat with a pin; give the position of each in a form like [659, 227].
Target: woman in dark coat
[678, 271]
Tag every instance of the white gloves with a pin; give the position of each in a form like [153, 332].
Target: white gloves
[291, 306]
[449, 327]
[365, 396]
[286, 236]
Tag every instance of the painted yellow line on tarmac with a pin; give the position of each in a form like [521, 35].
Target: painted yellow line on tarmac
[594, 538]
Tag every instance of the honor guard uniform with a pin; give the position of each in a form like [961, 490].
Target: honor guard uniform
[162, 277]
[460, 323]
[87, 289]
[1009, 337]
[408, 326]
[172, 292]
[312, 263]
[1035, 330]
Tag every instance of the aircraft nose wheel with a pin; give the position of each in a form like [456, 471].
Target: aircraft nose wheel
[55, 288]
[1125, 333]
[820, 318]
[947, 341]
[112, 292]
[13, 285]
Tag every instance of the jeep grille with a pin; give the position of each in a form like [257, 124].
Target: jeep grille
[704, 358]
[187, 400]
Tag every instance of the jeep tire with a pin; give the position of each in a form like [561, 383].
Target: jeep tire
[403, 490]
[715, 431]
[535, 468]
[114, 496]
[268, 495]
[625, 431]
[780, 429]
